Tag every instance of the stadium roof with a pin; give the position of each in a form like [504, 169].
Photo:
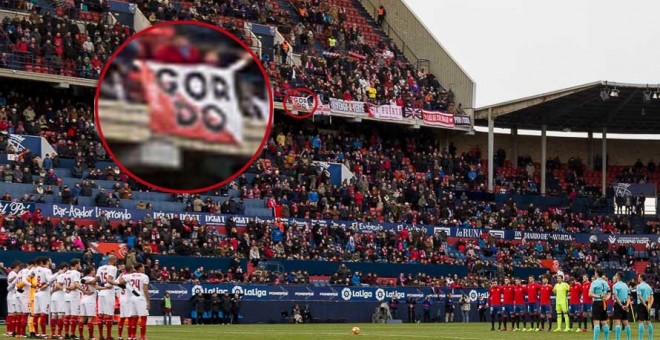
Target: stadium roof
[581, 109]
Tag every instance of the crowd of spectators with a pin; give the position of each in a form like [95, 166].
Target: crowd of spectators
[264, 241]
[407, 178]
[58, 44]
[320, 27]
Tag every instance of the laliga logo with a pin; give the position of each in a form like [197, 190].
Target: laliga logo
[380, 294]
[346, 294]
[593, 238]
[249, 292]
[197, 289]
[473, 295]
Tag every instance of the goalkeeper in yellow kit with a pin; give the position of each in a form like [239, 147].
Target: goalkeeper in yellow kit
[561, 290]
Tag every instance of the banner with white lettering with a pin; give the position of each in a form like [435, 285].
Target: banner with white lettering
[436, 118]
[323, 109]
[462, 120]
[15, 208]
[194, 101]
[347, 107]
[386, 112]
[119, 214]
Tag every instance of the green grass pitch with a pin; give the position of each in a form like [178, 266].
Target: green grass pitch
[454, 331]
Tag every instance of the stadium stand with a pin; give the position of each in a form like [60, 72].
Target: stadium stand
[405, 177]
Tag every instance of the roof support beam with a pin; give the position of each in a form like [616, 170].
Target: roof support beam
[550, 115]
[615, 111]
[491, 149]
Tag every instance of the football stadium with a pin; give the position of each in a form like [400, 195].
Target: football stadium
[382, 201]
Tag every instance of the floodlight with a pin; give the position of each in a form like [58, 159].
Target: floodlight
[604, 94]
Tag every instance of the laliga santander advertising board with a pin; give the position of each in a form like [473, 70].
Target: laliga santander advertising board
[184, 107]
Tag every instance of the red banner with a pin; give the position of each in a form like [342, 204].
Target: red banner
[552, 265]
[438, 118]
[196, 102]
[118, 249]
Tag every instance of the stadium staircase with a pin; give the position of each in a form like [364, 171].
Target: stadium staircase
[285, 5]
[377, 29]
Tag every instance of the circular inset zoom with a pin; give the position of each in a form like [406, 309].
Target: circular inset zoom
[184, 107]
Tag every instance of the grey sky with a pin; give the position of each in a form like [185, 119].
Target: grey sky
[517, 48]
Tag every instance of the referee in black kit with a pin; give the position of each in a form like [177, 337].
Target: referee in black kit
[600, 292]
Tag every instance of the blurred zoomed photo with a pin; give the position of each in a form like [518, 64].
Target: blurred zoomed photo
[183, 107]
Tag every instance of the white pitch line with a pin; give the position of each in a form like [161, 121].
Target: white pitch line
[328, 333]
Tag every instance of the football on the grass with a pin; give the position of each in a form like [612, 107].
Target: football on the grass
[356, 330]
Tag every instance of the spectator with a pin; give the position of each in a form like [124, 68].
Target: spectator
[464, 302]
[381, 15]
[226, 305]
[449, 309]
[199, 302]
[236, 308]
[215, 308]
[412, 317]
[167, 309]
[394, 306]
[426, 304]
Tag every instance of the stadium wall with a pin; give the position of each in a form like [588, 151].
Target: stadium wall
[621, 152]
[322, 312]
[416, 42]
[313, 267]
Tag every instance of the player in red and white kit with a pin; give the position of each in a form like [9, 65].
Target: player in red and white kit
[124, 301]
[495, 301]
[545, 293]
[587, 301]
[72, 296]
[574, 304]
[23, 298]
[12, 282]
[137, 285]
[107, 275]
[58, 303]
[89, 290]
[507, 296]
[533, 303]
[519, 305]
[44, 279]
